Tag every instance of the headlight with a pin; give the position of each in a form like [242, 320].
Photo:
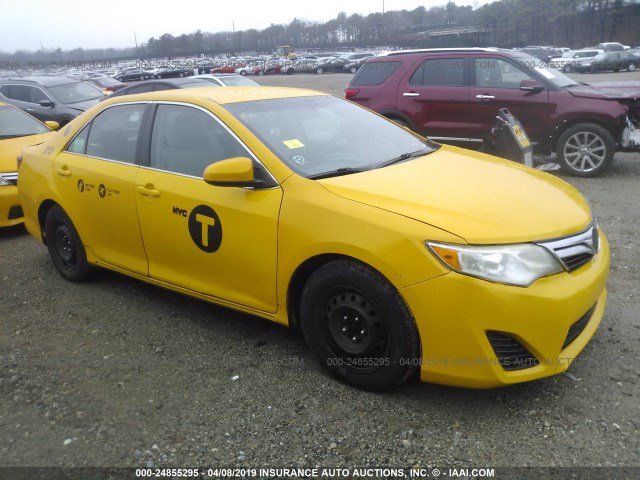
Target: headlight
[518, 264]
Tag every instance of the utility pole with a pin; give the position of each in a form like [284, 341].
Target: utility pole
[135, 39]
[382, 7]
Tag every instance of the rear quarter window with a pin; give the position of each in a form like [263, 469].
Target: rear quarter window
[374, 73]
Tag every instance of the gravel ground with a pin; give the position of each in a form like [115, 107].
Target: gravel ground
[119, 373]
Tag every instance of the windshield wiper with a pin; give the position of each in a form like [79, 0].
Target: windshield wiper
[336, 173]
[405, 156]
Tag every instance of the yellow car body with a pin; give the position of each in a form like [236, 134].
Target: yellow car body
[266, 251]
[12, 141]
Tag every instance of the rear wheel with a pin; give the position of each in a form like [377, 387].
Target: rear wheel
[65, 246]
[585, 150]
[353, 69]
[566, 68]
[319, 70]
[631, 67]
[358, 326]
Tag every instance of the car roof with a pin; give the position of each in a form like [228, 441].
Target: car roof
[220, 95]
[440, 50]
[45, 80]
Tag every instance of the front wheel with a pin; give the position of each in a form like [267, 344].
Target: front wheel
[358, 326]
[566, 68]
[243, 73]
[65, 246]
[585, 150]
[631, 67]
[353, 69]
[319, 70]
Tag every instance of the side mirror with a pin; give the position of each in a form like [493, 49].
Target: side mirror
[52, 125]
[530, 86]
[45, 103]
[231, 172]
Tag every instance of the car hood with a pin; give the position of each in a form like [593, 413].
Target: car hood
[11, 148]
[83, 106]
[481, 198]
[608, 90]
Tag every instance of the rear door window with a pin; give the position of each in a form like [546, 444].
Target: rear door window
[374, 73]
[441, 72]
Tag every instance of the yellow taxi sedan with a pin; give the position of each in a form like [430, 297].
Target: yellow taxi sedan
[17, 130]
[394, 255]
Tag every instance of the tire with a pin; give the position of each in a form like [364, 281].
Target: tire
[353, 69]
[243, 73]
[319, 70]
[631, 67]
[141, 77]
[566, 68]
[261, 73]
[65, 246]
[400, 122]
[290, 71]
[358, 327]
[181, 74]
[585, 150]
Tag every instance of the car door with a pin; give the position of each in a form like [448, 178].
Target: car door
[94, 176]
[495, 85]
[217, 241]
[27, 98]
[435, 96]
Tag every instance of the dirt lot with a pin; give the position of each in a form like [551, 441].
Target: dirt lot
[118, 373]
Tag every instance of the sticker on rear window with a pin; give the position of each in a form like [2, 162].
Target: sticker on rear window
[294, 143]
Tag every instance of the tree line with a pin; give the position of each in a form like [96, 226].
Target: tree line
[503, 23]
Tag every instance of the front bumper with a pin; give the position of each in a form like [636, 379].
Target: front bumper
[10, 209]
[456, 316]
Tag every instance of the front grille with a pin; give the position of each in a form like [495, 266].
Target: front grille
[12, 178]
[15, 212]
[577, 250]
[577, 328]
[512, 355]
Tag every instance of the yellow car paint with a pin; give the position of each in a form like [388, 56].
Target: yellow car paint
[9, 150]
[145, 223]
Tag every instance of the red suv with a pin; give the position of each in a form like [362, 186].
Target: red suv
[454, 95]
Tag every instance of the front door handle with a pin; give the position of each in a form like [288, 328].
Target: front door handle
[410, 94]
[485, 97]
[150, 192]
[64, 171]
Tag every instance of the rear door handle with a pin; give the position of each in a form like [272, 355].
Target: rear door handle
[485, 97]
[64, 171]
[410, 94]
[150, 192]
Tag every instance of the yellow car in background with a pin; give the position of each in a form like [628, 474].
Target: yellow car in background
[393, 254]
[17, 130]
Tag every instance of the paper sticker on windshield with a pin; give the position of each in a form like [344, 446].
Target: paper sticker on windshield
[294, 143]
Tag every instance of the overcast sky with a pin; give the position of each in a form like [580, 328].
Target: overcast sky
[68, 24]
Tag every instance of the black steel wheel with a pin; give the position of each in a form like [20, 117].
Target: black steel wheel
[65, 246]
[358, 326]
[585, 150]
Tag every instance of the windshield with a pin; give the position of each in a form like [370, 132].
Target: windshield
[323, 134]
[75, 92]
[238, 81]
[16, 123]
